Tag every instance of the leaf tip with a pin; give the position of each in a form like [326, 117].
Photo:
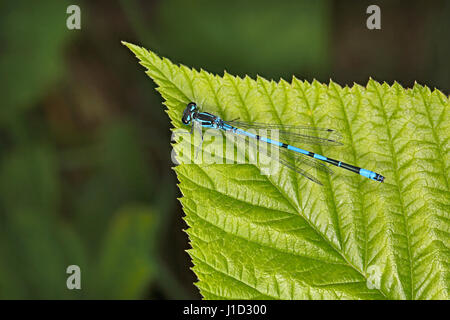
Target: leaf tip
[131, 46]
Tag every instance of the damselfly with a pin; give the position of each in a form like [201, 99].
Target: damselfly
[307, 135]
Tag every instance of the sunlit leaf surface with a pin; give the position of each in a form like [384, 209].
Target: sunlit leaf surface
[280, 236]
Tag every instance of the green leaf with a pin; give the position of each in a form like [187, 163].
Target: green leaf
[257, 236]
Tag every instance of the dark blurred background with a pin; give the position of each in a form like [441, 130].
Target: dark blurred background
[85, 170]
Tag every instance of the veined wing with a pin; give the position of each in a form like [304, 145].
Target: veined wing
[295, 161]
[302, 164]
[301, 134]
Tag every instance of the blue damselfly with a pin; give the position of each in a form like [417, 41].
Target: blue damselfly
[302, 134]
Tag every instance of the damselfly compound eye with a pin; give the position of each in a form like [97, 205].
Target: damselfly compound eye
[187, 113]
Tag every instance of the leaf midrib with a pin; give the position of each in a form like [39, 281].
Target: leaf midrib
[360, 198]
[398, 187]
[342, 254]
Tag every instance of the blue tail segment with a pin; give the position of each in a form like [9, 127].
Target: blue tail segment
[363, 172]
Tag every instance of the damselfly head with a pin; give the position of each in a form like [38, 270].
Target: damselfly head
[188, 112]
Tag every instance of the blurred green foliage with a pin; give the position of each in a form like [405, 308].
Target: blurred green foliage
[126, 264]
[277, 39]
[85, 173]
[31, 53]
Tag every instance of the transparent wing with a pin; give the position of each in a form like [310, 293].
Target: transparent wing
[297, 162]
[301, 164]
[301, 159]
[301, 134]
[300, 171]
